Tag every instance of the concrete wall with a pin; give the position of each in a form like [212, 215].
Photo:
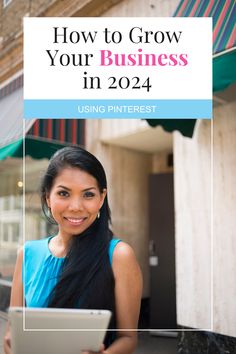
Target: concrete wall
[224, 211]
[114, 128]
[192, 182]
[194, 248]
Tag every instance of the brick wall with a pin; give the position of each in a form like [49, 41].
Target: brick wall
[11, 20]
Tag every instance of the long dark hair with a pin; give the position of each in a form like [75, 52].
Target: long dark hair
[86, 279]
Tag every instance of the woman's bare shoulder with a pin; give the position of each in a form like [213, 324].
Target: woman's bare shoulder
[123, 251]
[124, 261]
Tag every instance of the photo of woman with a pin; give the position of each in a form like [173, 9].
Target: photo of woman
[83, 265]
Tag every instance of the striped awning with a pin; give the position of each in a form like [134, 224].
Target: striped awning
[59, 130]
[223, 13]
[42, 137]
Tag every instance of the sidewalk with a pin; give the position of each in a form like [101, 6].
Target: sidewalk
[147, 344]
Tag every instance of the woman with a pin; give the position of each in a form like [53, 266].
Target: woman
[83, 266]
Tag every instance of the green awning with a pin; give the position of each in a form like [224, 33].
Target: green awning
[184, 126]
[224, 70]
[11, 150]
[36, 148]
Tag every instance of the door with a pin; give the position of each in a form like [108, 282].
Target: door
[162, 252]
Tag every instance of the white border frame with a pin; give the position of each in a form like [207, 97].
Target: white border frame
[132, 329]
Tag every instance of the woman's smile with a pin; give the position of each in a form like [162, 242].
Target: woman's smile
[75, 221]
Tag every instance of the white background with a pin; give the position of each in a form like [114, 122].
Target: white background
[42, 81]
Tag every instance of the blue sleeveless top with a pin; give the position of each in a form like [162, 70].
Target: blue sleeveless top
[41, 271]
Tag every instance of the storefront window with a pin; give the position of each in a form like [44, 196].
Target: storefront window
[5, 203]
[13, 219]
[11, 223]
[18, 202]
[15, 232]
[10, 232]
[5, 232]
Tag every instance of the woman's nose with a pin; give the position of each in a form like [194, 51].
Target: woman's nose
[76, 204]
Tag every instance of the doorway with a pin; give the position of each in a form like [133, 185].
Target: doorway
[162, 252]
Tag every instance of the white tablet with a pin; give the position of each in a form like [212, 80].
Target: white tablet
[57, 331]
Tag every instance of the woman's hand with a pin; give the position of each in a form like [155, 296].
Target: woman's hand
[101, 350]
[7, 343]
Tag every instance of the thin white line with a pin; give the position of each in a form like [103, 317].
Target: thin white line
[130, 329]
[12, 78]
[113, 329]
[224, 52]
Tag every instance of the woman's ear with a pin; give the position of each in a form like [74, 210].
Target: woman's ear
[103, 196]
[104, 192]
[48, 201]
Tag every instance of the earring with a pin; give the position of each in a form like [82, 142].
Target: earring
[98, 216]
[49, 212]
[50, 216]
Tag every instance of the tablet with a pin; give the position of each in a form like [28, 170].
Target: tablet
[57, 331]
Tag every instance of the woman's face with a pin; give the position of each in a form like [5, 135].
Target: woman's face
[74, 200]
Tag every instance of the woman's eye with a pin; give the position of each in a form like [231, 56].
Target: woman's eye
[89, 194]
[63, 193]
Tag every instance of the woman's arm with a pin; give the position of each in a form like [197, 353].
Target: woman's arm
[16, 297]
[128, 293]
